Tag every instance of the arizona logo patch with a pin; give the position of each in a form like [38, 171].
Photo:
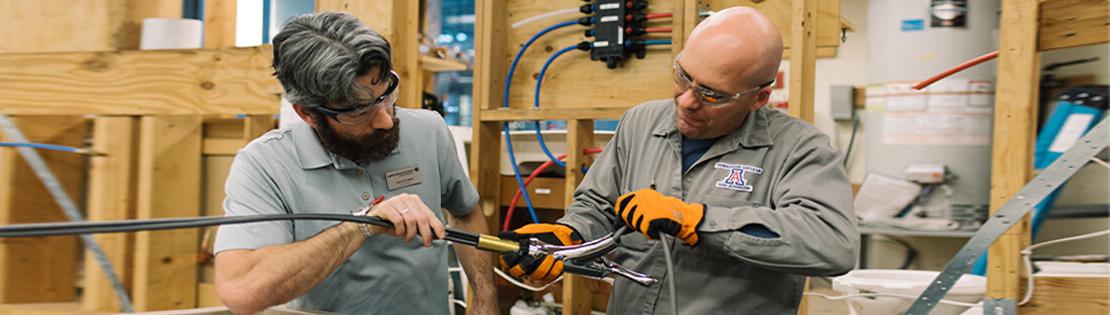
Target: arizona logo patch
[735, 179]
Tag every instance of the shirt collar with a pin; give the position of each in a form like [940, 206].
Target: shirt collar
[752, 133]
[311, 152]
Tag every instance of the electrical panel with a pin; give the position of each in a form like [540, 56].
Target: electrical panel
[617, 24]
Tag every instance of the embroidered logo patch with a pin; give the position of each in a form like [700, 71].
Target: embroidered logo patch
[735, 179]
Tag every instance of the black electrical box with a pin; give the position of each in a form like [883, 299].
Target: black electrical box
[617, 23]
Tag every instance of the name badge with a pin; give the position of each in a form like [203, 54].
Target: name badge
[404, 177]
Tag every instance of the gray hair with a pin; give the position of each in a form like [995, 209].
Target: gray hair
[318, 56]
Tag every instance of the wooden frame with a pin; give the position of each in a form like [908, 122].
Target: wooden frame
[639, 80]
[1031, 27]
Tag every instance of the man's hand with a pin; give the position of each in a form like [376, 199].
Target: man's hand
[540, 268]
[410, 217]
[650, 212]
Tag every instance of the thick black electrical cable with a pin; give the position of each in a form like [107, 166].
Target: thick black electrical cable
[71, 228]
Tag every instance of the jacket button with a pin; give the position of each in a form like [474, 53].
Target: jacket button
[359, 173]
[365, 196]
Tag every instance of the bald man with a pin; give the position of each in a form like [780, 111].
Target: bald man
[755, 200]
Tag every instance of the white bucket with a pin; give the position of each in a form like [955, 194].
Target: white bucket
[910, 283]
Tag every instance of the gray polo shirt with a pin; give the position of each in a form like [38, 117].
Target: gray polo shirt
[289, 171]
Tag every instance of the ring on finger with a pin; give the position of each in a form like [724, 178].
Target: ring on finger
[405, 210]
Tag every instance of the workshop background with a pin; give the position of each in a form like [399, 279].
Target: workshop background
[138, 108]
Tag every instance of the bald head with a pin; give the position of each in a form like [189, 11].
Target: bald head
[739, 46]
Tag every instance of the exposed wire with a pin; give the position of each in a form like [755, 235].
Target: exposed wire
[1100, 162]
[1028, 251]
[957, 68]
[657, 29]
[652, 16]
[670, 272]
[45, 146]
[521, 284]
[534, 18]
[904, 296]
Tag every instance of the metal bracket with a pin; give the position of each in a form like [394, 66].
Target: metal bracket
[999, 307]
[1010, 213]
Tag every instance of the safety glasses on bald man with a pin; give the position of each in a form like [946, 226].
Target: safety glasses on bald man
[708, 96]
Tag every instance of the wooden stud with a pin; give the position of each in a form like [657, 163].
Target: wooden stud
[803, 61]
[502, 114]
[580, 135]
[112, 181]
[40, 269]
[219, 23]
[489, 71]
[62, 25]
[406, 52]
[1015, 121]
[1072, 23]
[169, 186]
[1068, 295]
[207, 81]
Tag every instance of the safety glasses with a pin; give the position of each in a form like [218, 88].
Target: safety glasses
[706, 95]
[360, 113]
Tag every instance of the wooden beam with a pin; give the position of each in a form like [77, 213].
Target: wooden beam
[1015, 119]
[803, 69]
[169, 186]
[206, 81]
[1068, 295]
[433, 64]
[406, 52]
[580, 135]
[62, 25]
[502, 114]
[1072, 23]
[489, 73]
[40, 269]
[112, 181]
[219, 23]
[255, 126]
[803, 61]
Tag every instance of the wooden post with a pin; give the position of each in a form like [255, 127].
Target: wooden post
[803, 63]
[219, 23]
[111, 197]
[803, 59]
[39, 269]
[1015, 118]
[580, 135]
[169, 186]
[406, 51]
[485, 155]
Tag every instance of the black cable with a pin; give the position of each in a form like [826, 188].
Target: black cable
[71, 228]
[851, 140]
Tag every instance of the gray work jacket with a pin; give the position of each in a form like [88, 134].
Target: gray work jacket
[775, 171]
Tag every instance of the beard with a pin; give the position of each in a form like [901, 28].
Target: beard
[371, 147]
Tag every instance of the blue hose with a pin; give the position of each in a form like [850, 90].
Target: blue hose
[42, 146]
[651, 42]
[505, 104]
[536, 101]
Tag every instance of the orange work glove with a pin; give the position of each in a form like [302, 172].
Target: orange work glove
[650, 212]
[541, 267]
